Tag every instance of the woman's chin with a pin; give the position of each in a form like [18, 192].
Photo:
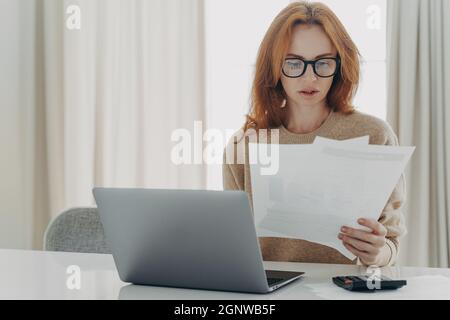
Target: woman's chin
[308, 103]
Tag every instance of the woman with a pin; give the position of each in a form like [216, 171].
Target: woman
[307, 74]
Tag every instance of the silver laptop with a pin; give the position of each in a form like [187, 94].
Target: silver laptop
[189, 239]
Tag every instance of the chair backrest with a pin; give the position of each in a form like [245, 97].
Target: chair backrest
[76, 230]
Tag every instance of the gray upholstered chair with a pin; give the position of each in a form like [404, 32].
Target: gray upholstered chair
[76, 230]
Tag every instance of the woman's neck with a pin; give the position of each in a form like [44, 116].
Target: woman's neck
[305, 119]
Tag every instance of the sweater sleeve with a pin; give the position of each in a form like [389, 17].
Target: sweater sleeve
[232, 172]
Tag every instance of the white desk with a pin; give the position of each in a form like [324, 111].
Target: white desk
[43, 275]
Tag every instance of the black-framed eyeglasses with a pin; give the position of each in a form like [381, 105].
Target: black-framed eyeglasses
[323, 67]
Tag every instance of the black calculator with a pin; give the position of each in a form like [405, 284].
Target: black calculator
[368, 283]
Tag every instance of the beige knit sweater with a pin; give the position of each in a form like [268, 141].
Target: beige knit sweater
[339, 127]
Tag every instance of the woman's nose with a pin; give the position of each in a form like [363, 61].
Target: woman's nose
[309, 74]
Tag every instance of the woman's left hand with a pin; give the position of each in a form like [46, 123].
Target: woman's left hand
[367, 246]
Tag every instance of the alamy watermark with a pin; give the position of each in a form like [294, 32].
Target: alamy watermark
[255, 147]
[73, 281]
[73, 17]
[374, 16]
[374, 278]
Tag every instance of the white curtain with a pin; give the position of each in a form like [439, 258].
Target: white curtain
[419, 111]
[106, 98]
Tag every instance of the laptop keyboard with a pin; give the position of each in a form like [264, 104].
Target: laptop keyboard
[272, 281]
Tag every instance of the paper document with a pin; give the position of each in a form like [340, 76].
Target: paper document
[323, 186]
[356, 141]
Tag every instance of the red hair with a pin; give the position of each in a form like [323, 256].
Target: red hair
[267, 91]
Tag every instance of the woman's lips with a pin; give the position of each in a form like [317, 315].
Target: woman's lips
[308, 93]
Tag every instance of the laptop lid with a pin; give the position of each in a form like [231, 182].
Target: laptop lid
[183, 238]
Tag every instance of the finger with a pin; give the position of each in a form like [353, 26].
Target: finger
[361, 235]
[356, 252]
[376, 227]
[359, 245]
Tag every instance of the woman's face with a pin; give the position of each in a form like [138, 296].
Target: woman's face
[309, 42]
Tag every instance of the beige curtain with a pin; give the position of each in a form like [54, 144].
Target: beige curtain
[419, 111]
[105, 99]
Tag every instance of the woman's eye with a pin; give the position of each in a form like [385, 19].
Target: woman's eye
[295, 65]
[323, 64]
